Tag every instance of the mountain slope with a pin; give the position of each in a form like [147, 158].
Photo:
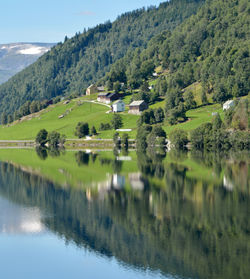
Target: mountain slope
[210, 48]
[17, 56]
[70, 67]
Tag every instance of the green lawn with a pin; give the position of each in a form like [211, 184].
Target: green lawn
[81, 109]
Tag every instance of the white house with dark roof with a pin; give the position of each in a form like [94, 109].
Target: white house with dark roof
[118, 106]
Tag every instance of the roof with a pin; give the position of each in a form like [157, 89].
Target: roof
[101, 88]
[111, 95]
[103, 94]
[229, 102]
[137, 103]
[118, 101]
[91, 86]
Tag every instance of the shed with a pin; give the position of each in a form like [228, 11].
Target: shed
[137, 107]
[228, 104]
[118, 106]
[92, 89]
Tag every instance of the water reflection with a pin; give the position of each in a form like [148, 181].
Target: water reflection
[185, 214]
[15, 219]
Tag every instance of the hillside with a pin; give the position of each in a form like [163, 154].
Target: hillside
[82, 109]
[71, 66]
[210, 49]
[17, 56]
[199, 65]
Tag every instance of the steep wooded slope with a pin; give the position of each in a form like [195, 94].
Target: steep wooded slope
[70, 67]
[211, 47]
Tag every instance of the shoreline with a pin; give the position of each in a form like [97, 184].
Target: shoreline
[68, 143]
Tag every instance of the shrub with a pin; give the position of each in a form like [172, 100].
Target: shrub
[41, 137]
[93, 131]
[54, 138]
[105, 126]
[116, 122]
[82, 129]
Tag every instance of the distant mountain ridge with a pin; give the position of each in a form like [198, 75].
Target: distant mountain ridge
[15, 57]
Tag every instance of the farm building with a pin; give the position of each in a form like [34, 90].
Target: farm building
[228, 104]
[137, 107]
[92, 89]
[102, 97]
[118, 106]
[107, 98]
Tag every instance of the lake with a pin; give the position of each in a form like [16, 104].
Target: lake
[119, 214]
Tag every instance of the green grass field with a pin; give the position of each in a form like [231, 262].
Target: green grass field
[92, 113]
[82, 109]
[196, 118]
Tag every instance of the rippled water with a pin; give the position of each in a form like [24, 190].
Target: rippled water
[124, 214]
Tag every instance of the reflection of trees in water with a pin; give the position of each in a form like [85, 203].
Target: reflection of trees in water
[43, 152]
[234, 167]
[188, 227]
[150, 162]
[116, 164]
[83, 158]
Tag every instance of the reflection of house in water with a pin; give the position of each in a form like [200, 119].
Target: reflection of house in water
[227, 183]
[114, 182]
[15, 219]
[118, 181]
[136, 181]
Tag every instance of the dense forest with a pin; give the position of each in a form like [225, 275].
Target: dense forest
[211, 48]
[71, 66]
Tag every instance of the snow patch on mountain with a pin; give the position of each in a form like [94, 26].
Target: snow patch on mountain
[17, 56]
[33, 50]
[26, 49]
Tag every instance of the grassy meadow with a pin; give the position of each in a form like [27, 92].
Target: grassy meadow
[74, 112]
[85, 110]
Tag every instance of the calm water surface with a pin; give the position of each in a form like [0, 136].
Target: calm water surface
[104, 214]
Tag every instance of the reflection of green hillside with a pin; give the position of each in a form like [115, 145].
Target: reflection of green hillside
[158, 228]
[64, 169]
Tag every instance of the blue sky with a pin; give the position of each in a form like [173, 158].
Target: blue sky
[51, 20]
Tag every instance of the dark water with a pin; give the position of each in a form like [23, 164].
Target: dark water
[124, 215]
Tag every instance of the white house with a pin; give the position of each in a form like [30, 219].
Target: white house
[228, 104]
[118, 106]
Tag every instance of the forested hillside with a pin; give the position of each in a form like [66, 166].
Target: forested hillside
[210, 48]
[71, 66]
